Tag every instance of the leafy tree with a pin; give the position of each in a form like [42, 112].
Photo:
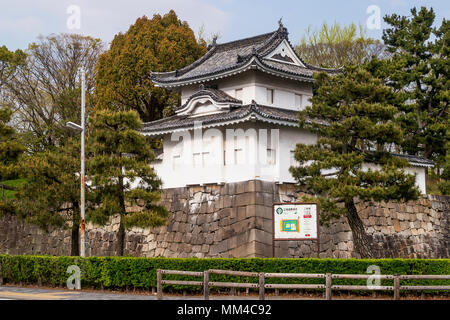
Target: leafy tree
[10, 146]
[444, 185]
[333, 46]
[205, 40]
[120, 172]
[352, 114]
[51, 196]
[9, 61]
[157, 44]
[419, 67]
[44, 89]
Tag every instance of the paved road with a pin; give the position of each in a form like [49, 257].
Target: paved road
[21, 293]
[31, 293]
[27, 293]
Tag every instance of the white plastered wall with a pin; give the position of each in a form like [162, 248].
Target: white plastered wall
[418, 171]
[213, 158]
[247, 151]
[254, 85]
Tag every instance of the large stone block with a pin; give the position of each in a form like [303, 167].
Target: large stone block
[260, 236]
[259, 211]
[244, 199]
[261, 250]
[241, 187]
[245, 250]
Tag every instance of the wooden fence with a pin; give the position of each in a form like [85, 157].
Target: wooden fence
[261, 285]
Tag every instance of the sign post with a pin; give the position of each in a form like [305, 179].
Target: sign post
[295, 221]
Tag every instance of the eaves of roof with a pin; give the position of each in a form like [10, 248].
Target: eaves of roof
[251, 112]
[224, 60]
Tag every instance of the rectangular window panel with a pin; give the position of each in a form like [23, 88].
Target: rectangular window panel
[176, 162]
[271, 159]
[239, 156]
[197, 160]
[206, 159]
[298, 100]
[270, 96]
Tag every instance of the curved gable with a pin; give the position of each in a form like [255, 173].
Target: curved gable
[207, 101]
[285, 54]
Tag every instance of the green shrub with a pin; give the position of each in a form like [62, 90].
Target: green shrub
[131, 272]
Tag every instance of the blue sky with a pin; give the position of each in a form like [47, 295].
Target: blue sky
[22, 21]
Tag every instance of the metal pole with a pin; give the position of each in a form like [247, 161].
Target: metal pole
[82, 206]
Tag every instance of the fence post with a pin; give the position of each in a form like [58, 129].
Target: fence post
[396, 287]
[206, 285]
[328, 286]
[261, 286]
[158, 284]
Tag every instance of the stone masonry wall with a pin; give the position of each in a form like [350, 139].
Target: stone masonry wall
[235, 220]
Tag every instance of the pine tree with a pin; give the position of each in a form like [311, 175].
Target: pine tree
[119, 168]
[51, 196]
[10, 146]
[444, 185]
[10, 150]
[9, 62]
[352, 114]
[419, 67]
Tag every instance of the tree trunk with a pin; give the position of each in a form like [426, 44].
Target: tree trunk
[361, 241]
[121, 231]
[120, 239]
[75, 250]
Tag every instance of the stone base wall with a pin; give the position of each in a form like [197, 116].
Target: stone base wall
[235, 220]
[416, 229]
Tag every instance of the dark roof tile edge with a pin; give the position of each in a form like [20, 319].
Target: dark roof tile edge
[266, 47]
[240, 113]
[214, 94]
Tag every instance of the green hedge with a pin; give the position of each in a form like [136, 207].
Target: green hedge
[140, 273]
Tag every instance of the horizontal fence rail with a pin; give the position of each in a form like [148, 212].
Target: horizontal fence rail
[328, 286]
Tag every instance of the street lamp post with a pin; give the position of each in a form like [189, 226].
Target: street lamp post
[82, 129]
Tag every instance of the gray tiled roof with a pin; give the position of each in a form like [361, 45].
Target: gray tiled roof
[235, 55]
[215, 94]
[416, 160]
[181, 121]
[265, 113]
